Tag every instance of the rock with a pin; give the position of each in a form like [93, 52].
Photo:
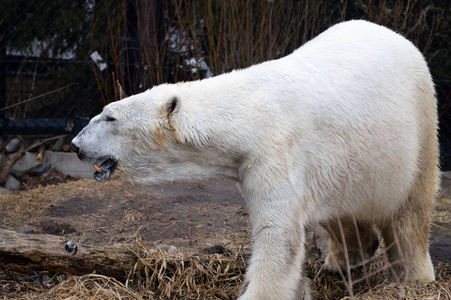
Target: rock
[26, 228]
[34, 146]
[4, 191]
[445, 185]
[12, 183]
[217, 249]
[40, 169]
[13, 145]
[162, 247]
[167, 248]
[172, 249]
[58, 145]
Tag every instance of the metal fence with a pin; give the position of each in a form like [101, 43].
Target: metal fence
[62, 61]
[47, 85]
[53, 77]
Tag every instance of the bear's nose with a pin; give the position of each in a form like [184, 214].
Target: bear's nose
[74, 148]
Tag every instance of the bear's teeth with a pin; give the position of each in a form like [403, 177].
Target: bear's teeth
[98, 169]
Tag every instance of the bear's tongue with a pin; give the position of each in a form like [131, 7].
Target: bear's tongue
[102, 175]
[104, 171]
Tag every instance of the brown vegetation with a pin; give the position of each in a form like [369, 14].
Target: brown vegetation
[230, 35]
[212, 211]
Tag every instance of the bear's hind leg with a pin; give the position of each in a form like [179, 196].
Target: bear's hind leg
[361, 243]
[406, 234]
[406, 241]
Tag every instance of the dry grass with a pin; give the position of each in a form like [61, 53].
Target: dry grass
[229, 35]
[162, 275]
[92, 286]
[370, 282]
[156, 275]
[170, 276]
[18, 207]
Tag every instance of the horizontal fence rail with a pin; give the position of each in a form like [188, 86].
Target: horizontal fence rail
[62, 61]
[41, 126]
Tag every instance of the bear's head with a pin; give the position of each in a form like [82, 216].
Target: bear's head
[150, 137]
[127, 132]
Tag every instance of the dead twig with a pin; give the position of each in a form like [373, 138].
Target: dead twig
[8, 166]
[37, 97]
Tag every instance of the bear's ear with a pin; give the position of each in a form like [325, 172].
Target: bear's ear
[172, 106]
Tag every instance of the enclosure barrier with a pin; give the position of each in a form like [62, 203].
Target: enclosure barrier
[62, 61]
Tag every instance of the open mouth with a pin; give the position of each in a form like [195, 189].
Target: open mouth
[105, 170]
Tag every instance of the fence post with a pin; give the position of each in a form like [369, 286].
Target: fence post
[2, 81]
[4, 126]
[143, 32]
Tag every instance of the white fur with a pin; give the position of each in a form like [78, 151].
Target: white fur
[333, 130]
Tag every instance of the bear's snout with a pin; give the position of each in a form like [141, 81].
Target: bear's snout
[80, 154]
[74, 147]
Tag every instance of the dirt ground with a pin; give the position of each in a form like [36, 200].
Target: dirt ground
[191, 216]
[197, 217]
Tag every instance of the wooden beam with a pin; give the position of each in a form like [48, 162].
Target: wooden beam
[26, 252]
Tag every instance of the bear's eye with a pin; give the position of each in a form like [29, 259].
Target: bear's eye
[110, 119]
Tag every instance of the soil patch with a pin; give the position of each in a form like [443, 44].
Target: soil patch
[203, 217]
[190, 215]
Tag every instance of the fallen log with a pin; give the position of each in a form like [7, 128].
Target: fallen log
[27, 252]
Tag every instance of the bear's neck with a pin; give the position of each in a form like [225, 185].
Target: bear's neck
[216, 110]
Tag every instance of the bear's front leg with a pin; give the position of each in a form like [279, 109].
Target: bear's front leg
[275, 268]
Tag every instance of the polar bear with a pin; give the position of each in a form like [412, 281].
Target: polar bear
[342, 133]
